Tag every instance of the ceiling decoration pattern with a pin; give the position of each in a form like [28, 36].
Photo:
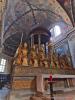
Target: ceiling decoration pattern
[2, 8]
[24, 15]
[69, 6]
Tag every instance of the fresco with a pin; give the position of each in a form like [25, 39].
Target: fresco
[24, 15]
[67, 5]
[17, 8]
[63, 51]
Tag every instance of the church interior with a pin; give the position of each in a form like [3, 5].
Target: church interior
[37, 49]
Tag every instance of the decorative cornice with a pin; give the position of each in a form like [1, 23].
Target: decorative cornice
[65, 37]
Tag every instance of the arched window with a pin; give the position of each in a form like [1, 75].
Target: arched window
[55, 31]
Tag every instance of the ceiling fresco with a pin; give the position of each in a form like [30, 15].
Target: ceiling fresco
[69, 6]
[25, 14]
[22, 16]
[2, 8]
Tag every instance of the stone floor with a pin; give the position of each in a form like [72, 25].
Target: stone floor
[64, 96]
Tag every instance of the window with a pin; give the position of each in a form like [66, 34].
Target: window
[55, 31]
[2, 65]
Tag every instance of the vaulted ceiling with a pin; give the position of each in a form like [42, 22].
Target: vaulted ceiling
[69, 7]
[22, 16]
[2, 9]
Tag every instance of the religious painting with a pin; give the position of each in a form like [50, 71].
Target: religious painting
[64, 55]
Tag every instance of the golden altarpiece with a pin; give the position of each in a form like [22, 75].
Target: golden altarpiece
[34, 60]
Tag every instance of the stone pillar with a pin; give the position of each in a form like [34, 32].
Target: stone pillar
[40, 84]
[68, 82]
[32, 40]
[39, 41]
[72, 49]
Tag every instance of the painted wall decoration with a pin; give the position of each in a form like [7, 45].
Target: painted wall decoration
[24, 15]
[17, 8]
[67, 5]
[64, 55]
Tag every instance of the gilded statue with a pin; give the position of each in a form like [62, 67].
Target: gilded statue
[53, 56]
[64, 62]
[33, 57]
[50, 55]
[42, 59]
[18, 56]
[55, 60]
[25, 55]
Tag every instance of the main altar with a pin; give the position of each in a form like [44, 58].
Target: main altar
[35, 59]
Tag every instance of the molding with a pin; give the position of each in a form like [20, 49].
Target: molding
[20, 71]
[59, 76]
[23, 84]
[65, 37]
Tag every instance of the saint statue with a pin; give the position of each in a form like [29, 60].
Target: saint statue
[55, 60]
[18, 56]
[33, 57]
[67, 61]
[51, 56]
[42, 59]
[64, 62]
[25, 55]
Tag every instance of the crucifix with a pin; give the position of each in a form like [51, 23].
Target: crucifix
[51, 87]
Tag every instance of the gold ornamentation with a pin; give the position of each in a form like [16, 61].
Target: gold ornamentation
[42, 59]
[25, 55]
[18, 56]
[33, 57]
